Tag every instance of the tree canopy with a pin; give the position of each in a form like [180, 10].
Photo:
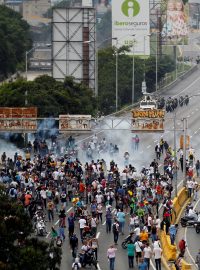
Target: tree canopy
[15, 228]
[14, 40]
[50, 96]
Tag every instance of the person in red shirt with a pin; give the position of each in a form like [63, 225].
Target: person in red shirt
[28, 197]
[81, 189]
[182, 246]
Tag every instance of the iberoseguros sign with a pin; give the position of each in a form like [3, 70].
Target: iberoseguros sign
[131, 17]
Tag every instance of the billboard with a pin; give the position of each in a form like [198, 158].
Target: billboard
[148, 120]
[194, 18]
[18, 119]
[176, 27]
[131, 17]
[74, 123]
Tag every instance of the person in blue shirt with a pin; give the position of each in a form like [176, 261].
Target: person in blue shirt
[121, 218]
[172, 232]
[142, 265]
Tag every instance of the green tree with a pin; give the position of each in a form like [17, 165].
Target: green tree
[15, 228]
[50, 96]
[15, 40]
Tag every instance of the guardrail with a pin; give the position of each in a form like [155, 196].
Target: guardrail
[170, 251]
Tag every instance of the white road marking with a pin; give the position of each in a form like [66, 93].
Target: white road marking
[188, 87]
[69, 209]
[98, 267]
[152, 265]
[148, 146]
[186, 238]
[104, 223]
[56, 222]
[191, 136]
[192, 112]
[47, 234]
[197, 109]
[98, 234]
[156, 141]
[188, 116]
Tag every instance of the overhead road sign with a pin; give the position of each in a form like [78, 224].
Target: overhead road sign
[78, 123]
[18, 119]
[148, 120]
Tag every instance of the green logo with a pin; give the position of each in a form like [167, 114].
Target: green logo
[130, 8]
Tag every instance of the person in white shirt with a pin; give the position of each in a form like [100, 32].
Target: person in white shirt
[99, 198]
[82, 224]
[149, 222]
[99, 212]
[138, 250]
[190, 186]
[157, 251]
[43, 195]
[94, 222]
[137, 233]
[147, 252]
[111, 256]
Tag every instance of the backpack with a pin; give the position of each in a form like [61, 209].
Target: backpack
[114, 228]
[76, 266]
[12, 193]
[71, 221]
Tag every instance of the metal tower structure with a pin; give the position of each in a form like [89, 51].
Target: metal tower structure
[74, 44]
[158, 17]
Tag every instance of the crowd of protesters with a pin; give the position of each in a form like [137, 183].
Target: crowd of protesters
[99, 192]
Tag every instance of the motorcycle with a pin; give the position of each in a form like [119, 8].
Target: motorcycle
[88, 258]
[197, 227]
[40, 227]
[127, 241]
[189, 220]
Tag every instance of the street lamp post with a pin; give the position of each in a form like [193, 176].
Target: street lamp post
[184, 150]
[156, 61]
[116, 77]
[133, 74]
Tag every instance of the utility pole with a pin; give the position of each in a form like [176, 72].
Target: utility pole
[184, 150]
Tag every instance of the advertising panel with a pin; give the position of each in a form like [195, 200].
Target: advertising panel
[194, 18]
[74, 122]
[176, 27]
[148, 120]
[131, 17]
[18, 119]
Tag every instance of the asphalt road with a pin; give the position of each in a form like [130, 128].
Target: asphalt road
[141, 158]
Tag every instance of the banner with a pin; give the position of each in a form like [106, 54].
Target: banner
[131, 17]
[148, 120]
[74, 123]
[18, 119]
[176, 28]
